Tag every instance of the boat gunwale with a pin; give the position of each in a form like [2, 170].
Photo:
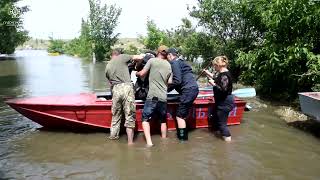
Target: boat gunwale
[109, 103]
[310, 94]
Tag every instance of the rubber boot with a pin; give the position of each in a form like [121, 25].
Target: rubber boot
[182, 134]
[185, 134]
[179, 133]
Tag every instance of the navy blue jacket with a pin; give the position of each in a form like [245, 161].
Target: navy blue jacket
[182, 76]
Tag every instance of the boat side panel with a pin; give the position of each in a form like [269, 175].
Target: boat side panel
[99, 115]
[310, 105]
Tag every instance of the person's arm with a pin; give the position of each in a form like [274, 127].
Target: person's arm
[129, 58]
[177, 75]
[138, 58]
[170, 81]
[142, 73]
[211, 81]
[108, 76]
[106, 72]
[171, 86]
[208, 74]
[125, 58]
[145, 69]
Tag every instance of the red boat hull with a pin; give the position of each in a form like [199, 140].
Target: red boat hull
[85, 111]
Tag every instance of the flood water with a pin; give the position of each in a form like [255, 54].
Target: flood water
[263, 147]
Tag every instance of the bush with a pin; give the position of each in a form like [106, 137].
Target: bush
[131, 49]
[56, 46]
[287, 59]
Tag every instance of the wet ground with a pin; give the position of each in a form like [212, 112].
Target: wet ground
[263, 147]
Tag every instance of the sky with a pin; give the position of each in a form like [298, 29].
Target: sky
[62, 18]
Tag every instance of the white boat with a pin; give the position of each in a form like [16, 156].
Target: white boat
[310, 104]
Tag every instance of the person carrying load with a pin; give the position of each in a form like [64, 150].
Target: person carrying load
[160, 75]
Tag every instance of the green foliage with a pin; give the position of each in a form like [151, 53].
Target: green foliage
[102, 21]
[155, 37]
[229, 26]
[184, 37]
[274, 45]
[12, 33]
[56, 46]
[82, 45]
[97, 32]
[287, 60]
[131, 49]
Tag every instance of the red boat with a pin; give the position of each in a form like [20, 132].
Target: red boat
[88, 110]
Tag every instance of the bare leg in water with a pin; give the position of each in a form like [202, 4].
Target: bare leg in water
[130, 134]
[147, 135]
[164, 130]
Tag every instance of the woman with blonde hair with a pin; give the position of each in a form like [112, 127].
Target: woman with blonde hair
[224, 100]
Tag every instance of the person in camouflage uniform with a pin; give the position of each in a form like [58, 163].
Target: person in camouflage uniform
[123, 100]
[122, 104]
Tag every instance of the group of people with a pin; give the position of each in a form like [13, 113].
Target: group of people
[164, 71]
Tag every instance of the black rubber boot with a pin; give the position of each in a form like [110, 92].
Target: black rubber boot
[185, 136]
[179, 133]
[182, 134]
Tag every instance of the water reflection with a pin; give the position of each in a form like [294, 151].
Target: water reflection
[46, 75]
[96, 79]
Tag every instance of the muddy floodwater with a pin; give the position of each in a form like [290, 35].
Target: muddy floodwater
[263, 147]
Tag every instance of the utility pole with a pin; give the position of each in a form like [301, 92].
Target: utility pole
[93, 54]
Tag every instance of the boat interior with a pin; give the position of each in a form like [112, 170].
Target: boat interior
[108, 96]
[172, 96]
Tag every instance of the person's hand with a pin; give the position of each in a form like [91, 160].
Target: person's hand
[208, 73]
[138, 57]
[205, 71]
[211, 81]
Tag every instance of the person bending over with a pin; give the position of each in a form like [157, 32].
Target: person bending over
[160, 75]
[123, 100]
[186, 85]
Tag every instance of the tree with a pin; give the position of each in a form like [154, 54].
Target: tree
[274, 45]
[178, 35]
[184, 37]
[287, 60]
[56, 46]
[227, 28]
[81, 46]
[102, 22]
[155, 37]
[12, 33]
[131, 49]
[191, 43]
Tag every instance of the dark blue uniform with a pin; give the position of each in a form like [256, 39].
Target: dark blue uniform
[185, 83]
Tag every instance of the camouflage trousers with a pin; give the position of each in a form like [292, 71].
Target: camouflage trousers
[123, 103]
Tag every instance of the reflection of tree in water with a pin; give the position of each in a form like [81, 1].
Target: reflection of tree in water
[95, 76]
[10, 77]
[8, 82]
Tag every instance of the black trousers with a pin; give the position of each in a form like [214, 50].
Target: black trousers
[221, 114]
